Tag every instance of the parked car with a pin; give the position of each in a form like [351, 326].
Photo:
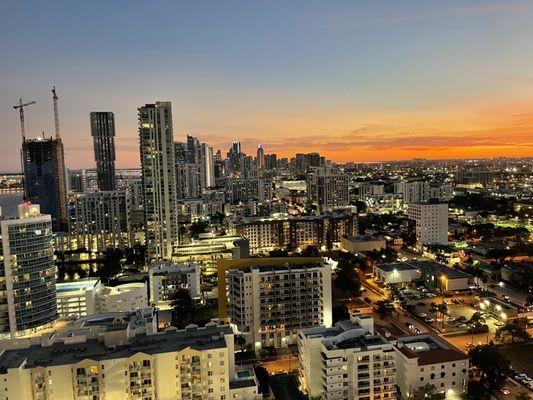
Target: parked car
[422, 315]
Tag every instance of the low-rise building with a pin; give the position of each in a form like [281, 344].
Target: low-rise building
[348, 361]
[78, 297]
[396, 273]
[166, 277]
[424, 359]
[126, 297]
[358, 243]
[194, 363]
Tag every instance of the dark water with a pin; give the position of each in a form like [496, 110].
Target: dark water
[9, 203]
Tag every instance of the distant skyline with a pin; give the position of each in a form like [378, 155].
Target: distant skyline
[353, 80]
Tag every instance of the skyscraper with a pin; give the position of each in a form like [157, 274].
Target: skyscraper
[44, 177]
[27, 271]
[159, 178]
[103, 133]
[260, 157]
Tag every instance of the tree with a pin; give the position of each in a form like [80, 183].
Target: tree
[522, 396]
[198, 227]
[384, 307]
[278, 253]
[477, 318]
[426, 392]
[310, 251]
[182, 307]
[346, 280]
[340, 313]
[492, 364]
[240, 341]
[514, 331]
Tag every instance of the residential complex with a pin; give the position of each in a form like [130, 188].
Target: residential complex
[431, 222]
[347, 361]
[268, 304]
[28, 273]
[158, 178]
[166, 277]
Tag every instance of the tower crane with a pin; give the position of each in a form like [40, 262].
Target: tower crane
[20, 107]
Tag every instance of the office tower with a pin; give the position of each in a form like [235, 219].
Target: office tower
[413, 192]
[27, 287]
[102, 220]
[426, 358]
[200, 155]
[327, 188]
[348, 361]
[159, 179]
[269, 304]
[124, 363]
[302, 162]
[236, 147]
[45, 177]
[260, 157]
[430, 222]
[77, 181]
[166, 278]
[103, 133]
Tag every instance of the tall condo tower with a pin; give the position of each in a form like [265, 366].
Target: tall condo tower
[103, 133]
[158, 178]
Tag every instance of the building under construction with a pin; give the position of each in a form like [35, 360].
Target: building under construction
[44, 174]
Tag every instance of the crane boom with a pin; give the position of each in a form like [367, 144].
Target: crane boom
[20, 107]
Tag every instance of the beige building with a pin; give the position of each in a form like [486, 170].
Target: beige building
[347, 362]
[195, 363]
[424, 359]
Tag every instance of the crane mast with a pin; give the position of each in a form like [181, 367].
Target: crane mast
[56, 112]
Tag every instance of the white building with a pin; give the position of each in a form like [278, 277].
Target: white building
[27, 272]
[424, 359]
[166, 277]
[358, 243]
[396, 273]
[89, 296]
[431, 222]
[269, 304]
[78, 297]
[194, 363]
[347, 362]
[126, 297]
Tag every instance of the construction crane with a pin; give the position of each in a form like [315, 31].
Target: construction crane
[56, 112]
[20, 107]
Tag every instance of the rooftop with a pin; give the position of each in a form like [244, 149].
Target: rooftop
[428, 350]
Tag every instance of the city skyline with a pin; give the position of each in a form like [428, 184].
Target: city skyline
[356, 82]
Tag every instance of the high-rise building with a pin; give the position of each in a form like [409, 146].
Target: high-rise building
[260, 157]
[348, 361]
[430, 222]
[269, 304]
[248, 189]
[207, 166]
[103, 133]
[159, 178]
[77, 181]
[102, 220]
[413, 192]
[45, 177]
[180, 153]
[188, 181]
[327, 188]
[27, 272]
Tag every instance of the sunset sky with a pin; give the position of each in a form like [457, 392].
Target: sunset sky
[353, 80]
